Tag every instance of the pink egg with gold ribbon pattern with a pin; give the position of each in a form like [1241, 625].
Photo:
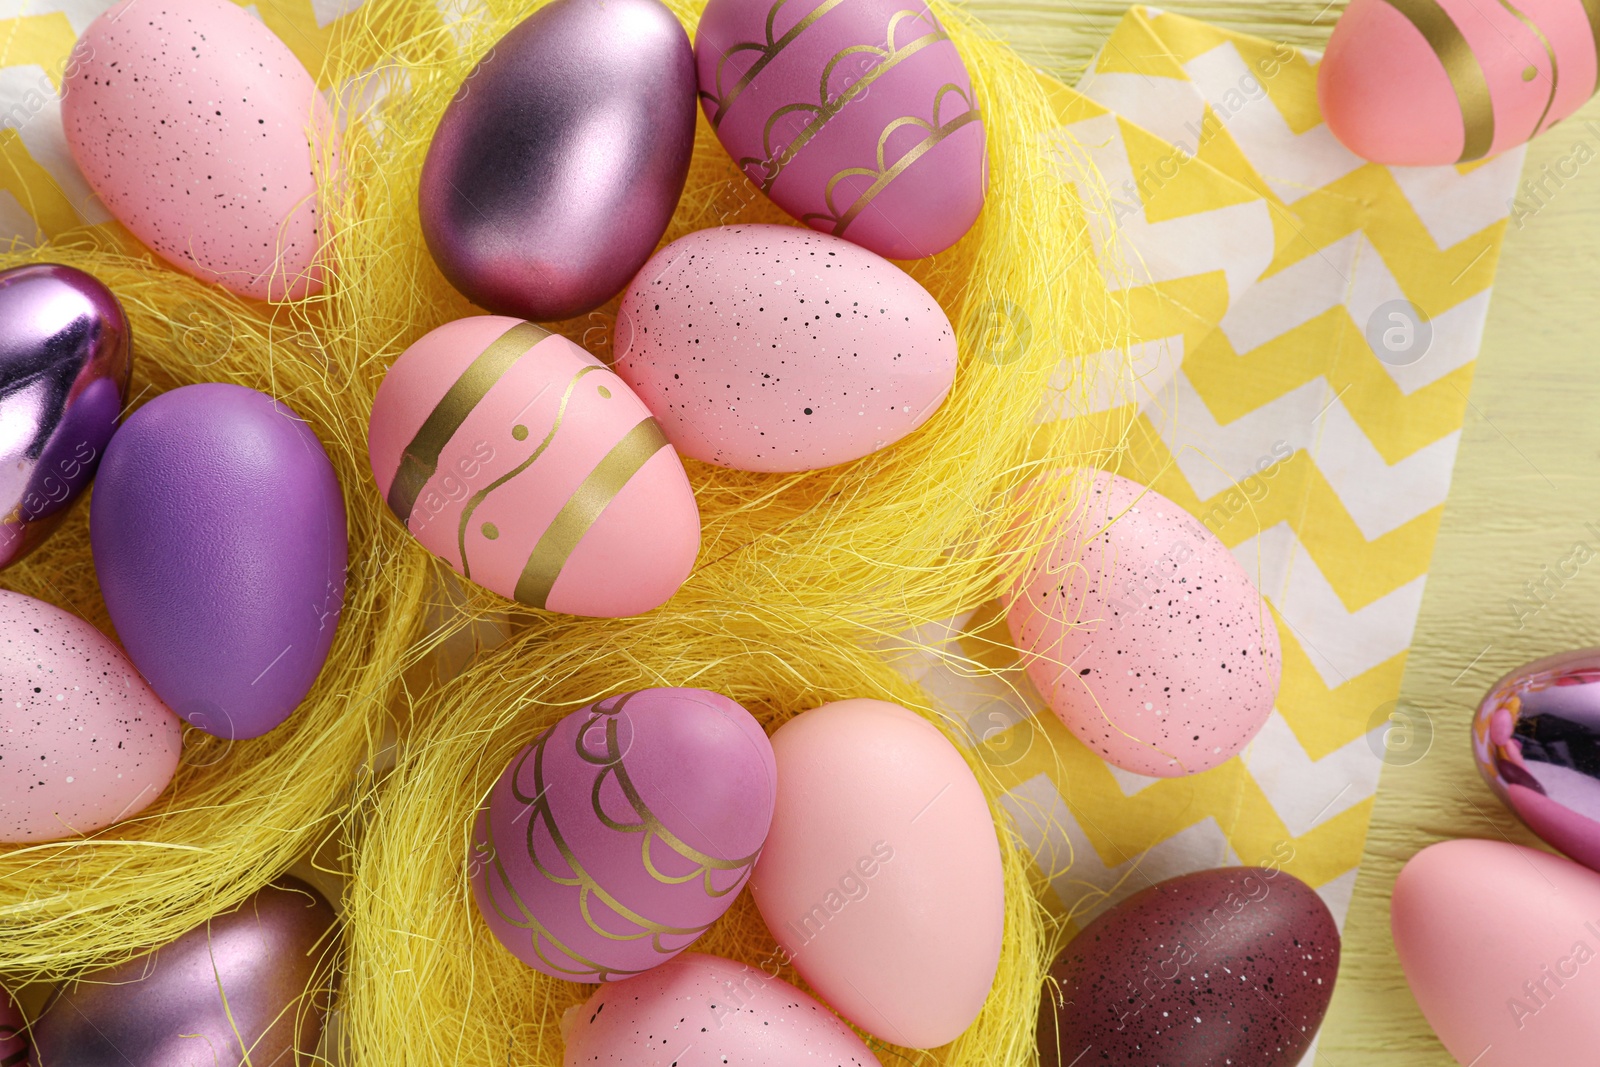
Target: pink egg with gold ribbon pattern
[857, 117]
[529, 467]
[1431, 82]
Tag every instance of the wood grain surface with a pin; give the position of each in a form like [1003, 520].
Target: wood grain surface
[1527, 483]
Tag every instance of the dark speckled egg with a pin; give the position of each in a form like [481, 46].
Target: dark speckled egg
[1224, 967]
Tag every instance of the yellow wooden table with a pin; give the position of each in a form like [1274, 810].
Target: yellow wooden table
[1526, 489]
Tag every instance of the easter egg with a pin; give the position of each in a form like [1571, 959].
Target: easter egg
[622, 832]
[557, 166]
[770, 348]
[705, 1011]
[200, 131]
[65, 356]
[13, 1035]
[524, 463]
[1431, 82]
[1536, 740]
[84, 743]
[218, 530]
[1499, 944]
[857, 117]
[881, 878]
[1145, 635]
[249, 986]
[1224, 966]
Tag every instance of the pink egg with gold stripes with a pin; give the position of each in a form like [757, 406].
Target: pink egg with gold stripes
[524, 463]
[1430, 82]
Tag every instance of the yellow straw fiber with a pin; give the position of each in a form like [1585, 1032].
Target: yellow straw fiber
[807, 585]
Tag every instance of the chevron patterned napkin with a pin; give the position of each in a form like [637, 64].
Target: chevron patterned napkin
[1306, 328]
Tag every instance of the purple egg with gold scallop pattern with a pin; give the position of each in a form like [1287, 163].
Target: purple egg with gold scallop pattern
[623, 831]
[857, 117]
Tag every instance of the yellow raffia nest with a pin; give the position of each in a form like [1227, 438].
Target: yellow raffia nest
[805, 583]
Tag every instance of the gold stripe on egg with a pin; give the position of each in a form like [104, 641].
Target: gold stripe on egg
[583, 507]
[1591, 11]
[1550, 53]
[420, 460]
[1461, 67]
[482, 494]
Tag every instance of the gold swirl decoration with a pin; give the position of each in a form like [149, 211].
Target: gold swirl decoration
[836, 222]
[1461, 66]
[608, 757]
[766, 50]
[770, 164]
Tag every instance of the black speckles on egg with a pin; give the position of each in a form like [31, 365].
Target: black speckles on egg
[705, 1011]
[1147, 637]
[773, 348]
[1231, 966]
[83, 740]
[190, 120]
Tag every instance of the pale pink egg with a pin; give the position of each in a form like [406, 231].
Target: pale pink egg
[1501, 947]
[705, 1011]
[771, 348]
[881, 875]
[1427, 82]
[195, 125]
[857, 117]
[524, 463]
[1145, 635]
[84, 742]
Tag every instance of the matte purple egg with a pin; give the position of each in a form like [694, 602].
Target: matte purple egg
[857, 117]
[1225, 966]
[559, 163]
[705, 1011]
[218, 530]
[254, 979]
[13, 1038]
[1536, 741]
[65, 356]
[623, 831]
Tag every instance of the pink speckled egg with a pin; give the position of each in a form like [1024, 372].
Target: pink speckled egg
[705, 1011]
[84, 742]
[1431, 82]
[1142, 631]
[622, 832]
[857, 117]
[1501, 947]
[533, 470]
[881, 877]
[198, 127]
[771, 348]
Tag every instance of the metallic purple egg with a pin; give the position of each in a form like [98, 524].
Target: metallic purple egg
[559, 163]
[255, 978]
[13, 1036]
[65, 356]
[1536, 740]
[219, 538]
